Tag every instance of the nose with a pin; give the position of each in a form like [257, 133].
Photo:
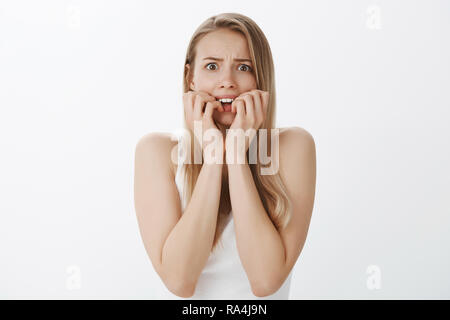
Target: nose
[227, 79]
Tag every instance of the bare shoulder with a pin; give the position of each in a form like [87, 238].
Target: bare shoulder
[296, 133]
[159, 144]
[295, 143]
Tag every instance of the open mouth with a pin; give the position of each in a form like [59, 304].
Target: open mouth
[225, 100]
[226, 103]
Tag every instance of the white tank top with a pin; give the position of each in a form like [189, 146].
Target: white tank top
[223, 277]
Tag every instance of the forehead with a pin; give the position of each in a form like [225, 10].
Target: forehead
[222, 43]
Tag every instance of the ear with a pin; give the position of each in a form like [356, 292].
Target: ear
[188, 76]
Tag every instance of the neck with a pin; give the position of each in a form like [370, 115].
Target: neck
[223, 129]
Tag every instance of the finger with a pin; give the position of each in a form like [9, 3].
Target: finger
[239, 106]
[249, 106]
[206, 96]
[188, 102]
[210, 106]
[234, 103]
[198, 106]
[257, 99]
[219, 104]
[265, 102]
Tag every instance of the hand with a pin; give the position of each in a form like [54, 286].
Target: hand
[199, 106]
[251, 110]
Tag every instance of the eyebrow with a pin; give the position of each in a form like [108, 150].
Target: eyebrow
[218, 59]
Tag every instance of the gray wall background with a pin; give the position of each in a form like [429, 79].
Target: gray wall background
[82, 81]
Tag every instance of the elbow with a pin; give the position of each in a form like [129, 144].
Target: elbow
[180, 288]
[182, 291]
[176, 282]
[265, 289]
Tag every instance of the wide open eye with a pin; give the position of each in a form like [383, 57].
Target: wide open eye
[211, 63]
[248, 67]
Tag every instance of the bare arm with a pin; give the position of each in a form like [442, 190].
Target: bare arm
[267, 255]
[260, 247]
[188, 246]
[177, 244]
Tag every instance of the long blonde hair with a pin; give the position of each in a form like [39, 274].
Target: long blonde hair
[270, 187]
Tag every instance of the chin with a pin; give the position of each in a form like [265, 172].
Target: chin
[225, 118]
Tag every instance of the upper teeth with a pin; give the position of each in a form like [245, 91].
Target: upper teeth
[226, 100]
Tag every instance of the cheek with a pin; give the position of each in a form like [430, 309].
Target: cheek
[205, 84]
[203, 75]
[201, 79]
[251, 84]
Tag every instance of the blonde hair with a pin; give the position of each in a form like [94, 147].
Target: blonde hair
[270, 187]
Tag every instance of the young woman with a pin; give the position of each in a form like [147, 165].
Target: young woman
[224, 230]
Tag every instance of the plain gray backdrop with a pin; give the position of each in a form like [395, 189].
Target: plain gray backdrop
[82, 81]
